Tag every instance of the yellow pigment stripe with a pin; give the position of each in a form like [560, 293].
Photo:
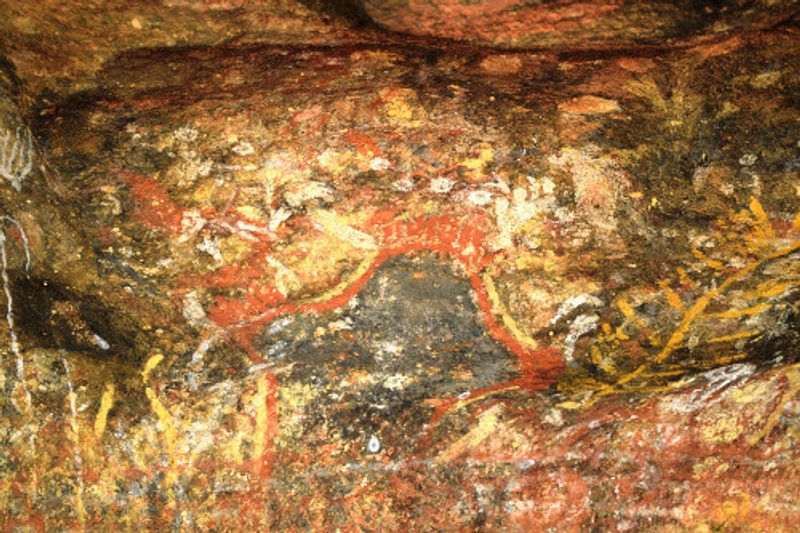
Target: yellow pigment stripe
[333, 224]
[150, 365]
[499, 309]
[762, 219]
[712, 263]
[106, 402]
[769, 289]
[672, 297]
[74, 435]
[665, 374]
[170, 436]
[735, 336]
[362, 269]
[164, 418]
[738, 313]
[714, 363]
[487, 424]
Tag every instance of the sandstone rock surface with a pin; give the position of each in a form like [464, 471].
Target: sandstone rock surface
[400, 266]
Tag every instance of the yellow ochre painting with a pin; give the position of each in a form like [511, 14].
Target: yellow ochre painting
[384, 265]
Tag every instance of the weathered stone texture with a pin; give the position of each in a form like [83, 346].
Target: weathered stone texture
[391, 266]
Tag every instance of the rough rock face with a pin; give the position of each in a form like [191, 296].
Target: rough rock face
[579, 24]
[383, 266]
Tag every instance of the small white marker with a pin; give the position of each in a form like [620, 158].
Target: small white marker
[101, 342]
[373, 445]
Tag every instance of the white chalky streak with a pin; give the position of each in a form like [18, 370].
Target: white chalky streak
[281, 215]
[205, 345]
[582, 325]
[574, 302]
[718, 379]
[73, 424]
[12, 333]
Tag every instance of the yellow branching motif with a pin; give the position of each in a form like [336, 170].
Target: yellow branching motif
[678, 109]
[746, 244]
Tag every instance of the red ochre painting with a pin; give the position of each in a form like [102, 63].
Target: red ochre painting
[382, 265]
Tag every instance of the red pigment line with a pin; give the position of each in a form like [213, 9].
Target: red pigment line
[460, 238]
[271, 431]
[364, 144]
[533, 363]
[331, 304]
[530, 363]
[494, 328]
[251, 326]
[448, 404]
[538, 367]
[152, 204]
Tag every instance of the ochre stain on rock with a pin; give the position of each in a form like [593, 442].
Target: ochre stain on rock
[399, 266]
